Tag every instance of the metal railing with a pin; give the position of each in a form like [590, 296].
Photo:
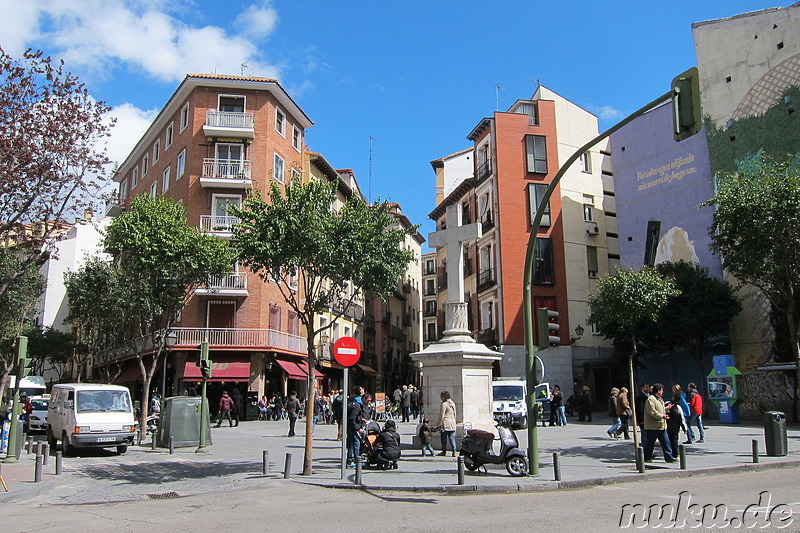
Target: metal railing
[484, 171]
[485, 278]
[226, 168]
[229, 119]
[232, 280]
[263, 339]
[217, 224]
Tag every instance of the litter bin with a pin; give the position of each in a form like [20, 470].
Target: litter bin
[180, 419]
[775, 433]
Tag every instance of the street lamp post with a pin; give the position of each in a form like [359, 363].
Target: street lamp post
[170, 340]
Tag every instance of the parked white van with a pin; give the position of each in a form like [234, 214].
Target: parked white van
[90, 415]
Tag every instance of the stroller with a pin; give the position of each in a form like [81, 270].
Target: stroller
[371, 447]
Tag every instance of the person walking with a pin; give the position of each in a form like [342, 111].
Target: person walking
[397, 395]
[414, 402]
[638, 402]
[425, 437]
[447, 423]
[676, 421]
[624, 411]
[557, 404]
[238, 405]
[292, 410]
[585, 406]
[655, 424]
[612, 412]
[406, 403]
[225, 406]
[319, 408]
[696, 413]
[337, 406]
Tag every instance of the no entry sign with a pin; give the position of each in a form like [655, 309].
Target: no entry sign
[346, 351]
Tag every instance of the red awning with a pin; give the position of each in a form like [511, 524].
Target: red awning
[229, 371]
[292, 369]
[131, 374]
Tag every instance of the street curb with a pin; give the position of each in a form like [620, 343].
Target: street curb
[550, 486]
[27, 490]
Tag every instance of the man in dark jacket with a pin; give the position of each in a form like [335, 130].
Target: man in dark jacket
[356, 416]
[338, 411]
[638, 403]
[388, 444]
[238, 405]
[226, 404]
[292, 409]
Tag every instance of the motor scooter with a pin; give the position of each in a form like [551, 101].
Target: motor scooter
[477, 449]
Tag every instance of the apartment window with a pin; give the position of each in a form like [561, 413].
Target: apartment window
[591, 261]
[295, 175]
[145, 164]
[279, 168]
[430, 334]
[487, 316]
[134, 177]
[180, 168]
[588, 208]
[531, 111]
[153, 189]
[586, 161]
[156, 150]
[123, 189]
[231, 103]
[651, 241]
[535, 196]
[185, 116]
[220, 203]
[543, 261]
[596, 329]
[280, 122]
[170, 135]
[536, 149]
[297, 138]
[165, 183]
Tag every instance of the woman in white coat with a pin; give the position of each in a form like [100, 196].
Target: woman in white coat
[447, 423]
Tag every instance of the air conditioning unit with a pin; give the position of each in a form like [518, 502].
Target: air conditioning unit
[592, 230]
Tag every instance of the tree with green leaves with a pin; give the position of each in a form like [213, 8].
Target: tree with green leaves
[16, 304]
[51, 346]
[318, 256]
[624, 303]
[756, 232]
[702, 310]
[161, 261]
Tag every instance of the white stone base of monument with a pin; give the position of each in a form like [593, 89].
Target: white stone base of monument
[464, 369]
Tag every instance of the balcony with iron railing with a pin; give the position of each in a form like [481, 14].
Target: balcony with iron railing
[430, 311]
[239, 125]
[226, 173]
[487, 222]
[487, 336]
[486, 278]
[231, 284]
[484, 171]
[442, 281]
[221, 226]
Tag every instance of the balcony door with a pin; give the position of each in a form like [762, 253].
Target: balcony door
[219, 211]
[221, 315]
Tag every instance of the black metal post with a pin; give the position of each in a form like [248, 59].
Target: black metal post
[640, 459]
[682, 455]
[460, 469]
[359, 467]
[265, 462]
[755, 450]
[287, 467]
[59, 456]
[37, 470]
[556, 467]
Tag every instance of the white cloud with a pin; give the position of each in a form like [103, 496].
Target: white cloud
[131, 124]
[258, 20]
[19, 26]
[100, 35]
[605, 112]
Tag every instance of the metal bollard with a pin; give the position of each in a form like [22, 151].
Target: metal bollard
[287, 467]
[556, 467]
[358, 471]
[37, 469]
[755, 450]
[640, 459]
[265, 462]
[59, 456]
[29, 445]
[39, 447]
[45, 453]
[153, 442]
[682, 455]
[171, 445]
[460, 469]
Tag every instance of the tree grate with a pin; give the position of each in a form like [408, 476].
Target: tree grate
[163, 496]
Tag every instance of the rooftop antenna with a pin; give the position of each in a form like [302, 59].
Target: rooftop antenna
[536, 81]
[497, 96]
[244, 66]
[369, 189]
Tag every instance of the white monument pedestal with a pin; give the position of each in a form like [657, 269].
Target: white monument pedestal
[465, 370]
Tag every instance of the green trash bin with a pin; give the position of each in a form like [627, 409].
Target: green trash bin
[180, 419]
[775, 433]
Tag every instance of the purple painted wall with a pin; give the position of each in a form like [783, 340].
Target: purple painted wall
[662, 181]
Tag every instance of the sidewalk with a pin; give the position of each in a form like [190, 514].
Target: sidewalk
[234, 462]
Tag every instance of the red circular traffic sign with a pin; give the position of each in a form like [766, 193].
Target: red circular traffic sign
[346, 351]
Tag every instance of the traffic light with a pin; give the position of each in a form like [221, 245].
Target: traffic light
[24, 363]
[548, 328]
[687, 113]
[205, 362]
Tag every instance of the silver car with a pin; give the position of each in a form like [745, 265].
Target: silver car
[37, 420]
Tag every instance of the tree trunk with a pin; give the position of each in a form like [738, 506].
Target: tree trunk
[309, 440]
[145, 398]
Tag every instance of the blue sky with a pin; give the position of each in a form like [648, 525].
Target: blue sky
[416, 76]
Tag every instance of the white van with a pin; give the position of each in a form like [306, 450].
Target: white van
[509, 400]
[90, 415]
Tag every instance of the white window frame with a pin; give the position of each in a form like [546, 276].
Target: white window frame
[297, 138]
[278, 174]
[487, 315]
[170, 135]
[295, 175]
[591, 261]
[215, 197]
[123, 189]
[156, 150]
[280, 122]
[134, 177]
[180, 165]
[237, 96]
[586, 162]
[165, 182]
[184, 117]
[145, 164]
[588, 209]
[153, 189]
